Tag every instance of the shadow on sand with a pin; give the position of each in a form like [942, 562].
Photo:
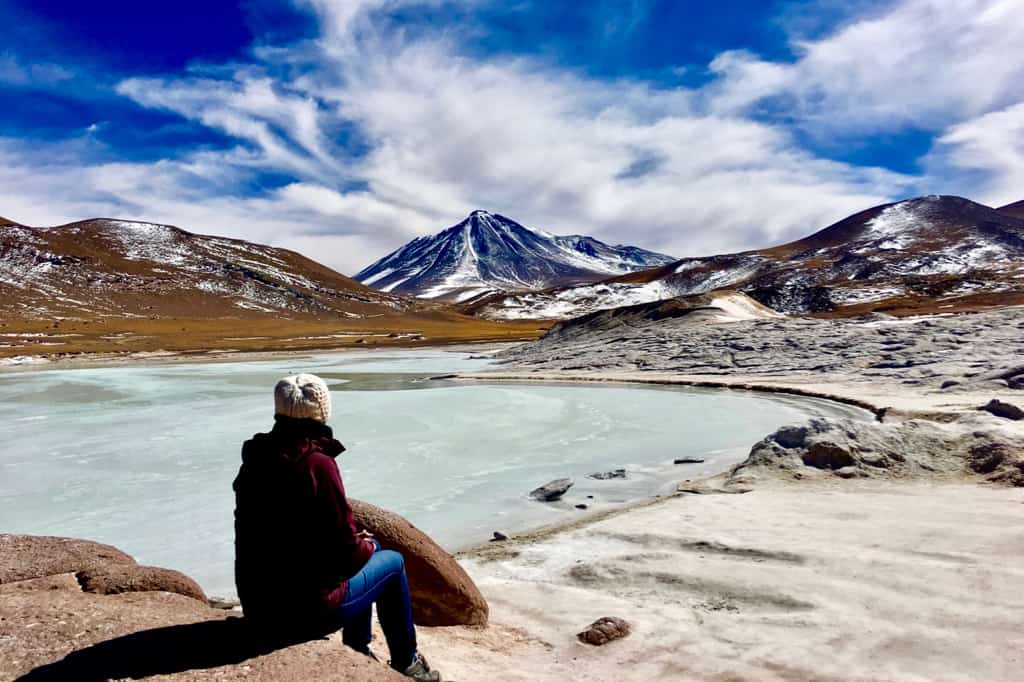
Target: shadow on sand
[162, 651]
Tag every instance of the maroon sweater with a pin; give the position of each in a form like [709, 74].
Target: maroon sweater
[295, 540]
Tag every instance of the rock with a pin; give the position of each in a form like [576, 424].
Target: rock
[848, 472]
[949, 383]
[826, 455]
[33, 556]
[225, 603]
[970, 443]
[552, 490]
[604, 630]
[605, 475]
[1001, 409]
[499, 537]
[118, 578]
[581, 506]
[442, 592]
[791, 436]
[688, 460]
[51, 630]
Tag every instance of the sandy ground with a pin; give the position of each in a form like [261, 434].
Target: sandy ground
[833, 580]
[851, 581]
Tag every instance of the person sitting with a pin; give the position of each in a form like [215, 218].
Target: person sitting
[302, 568]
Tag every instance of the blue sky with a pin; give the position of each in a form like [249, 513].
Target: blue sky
[343, 129]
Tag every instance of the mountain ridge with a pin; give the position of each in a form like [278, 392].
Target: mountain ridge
[900, 256]
[138, 286]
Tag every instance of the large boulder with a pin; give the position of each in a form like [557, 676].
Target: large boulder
[23, 557]
[53, 629]
[118, 578]
[99, 568]
[442, 592]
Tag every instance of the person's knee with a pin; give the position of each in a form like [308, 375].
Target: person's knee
[392, 559]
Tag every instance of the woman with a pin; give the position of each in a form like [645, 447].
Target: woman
[301, 566]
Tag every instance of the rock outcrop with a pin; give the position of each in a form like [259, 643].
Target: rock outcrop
[51, 629]
[971, 445]
[954, 354]
[442, 592]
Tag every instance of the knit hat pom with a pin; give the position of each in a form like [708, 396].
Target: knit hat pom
[303, 396]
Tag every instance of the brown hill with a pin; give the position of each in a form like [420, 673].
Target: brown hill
[1015, 209]
[110, 284]
[932, 254]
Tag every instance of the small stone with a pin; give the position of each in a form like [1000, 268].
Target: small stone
[606, 475]
[949, 383]
[552, 490]
[848, 472]
[224, 603]
[581, 506]
[1001, 409]
[688, 460]
[604, 630]
[499, 537]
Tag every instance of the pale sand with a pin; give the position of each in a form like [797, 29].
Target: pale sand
[835, 580]
[851, 581]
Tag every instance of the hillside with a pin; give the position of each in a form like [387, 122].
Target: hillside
[931, 254]
[488, 253]
[123, 285]
[1015, 209]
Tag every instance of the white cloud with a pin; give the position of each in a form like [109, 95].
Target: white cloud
[684, 171]
[923, 63]
[992, 147]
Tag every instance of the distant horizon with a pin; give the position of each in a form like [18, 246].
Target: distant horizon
[346, 129]
[373, 260]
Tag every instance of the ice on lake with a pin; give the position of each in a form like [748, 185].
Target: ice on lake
[143, 456]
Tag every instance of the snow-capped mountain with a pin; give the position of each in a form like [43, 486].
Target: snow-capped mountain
[487, 252]
[928, 254]
[110, 268]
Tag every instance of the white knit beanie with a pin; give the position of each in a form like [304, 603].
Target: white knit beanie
[303, 396]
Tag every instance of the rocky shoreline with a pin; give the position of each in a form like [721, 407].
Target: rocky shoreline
[954, 353]
[839, 516]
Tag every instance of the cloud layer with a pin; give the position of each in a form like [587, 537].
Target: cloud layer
[371, 137]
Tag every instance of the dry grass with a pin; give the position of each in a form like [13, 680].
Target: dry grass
[184, 335]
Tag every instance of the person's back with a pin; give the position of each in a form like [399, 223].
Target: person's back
[301, 566]
[289, 563]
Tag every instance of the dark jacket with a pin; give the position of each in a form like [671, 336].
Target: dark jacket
[295, 539]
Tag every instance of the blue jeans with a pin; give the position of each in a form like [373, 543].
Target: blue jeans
[381, 580]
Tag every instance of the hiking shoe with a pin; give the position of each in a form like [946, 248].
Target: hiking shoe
[421, 672]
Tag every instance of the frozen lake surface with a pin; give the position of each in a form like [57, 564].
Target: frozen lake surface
[143, 456]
